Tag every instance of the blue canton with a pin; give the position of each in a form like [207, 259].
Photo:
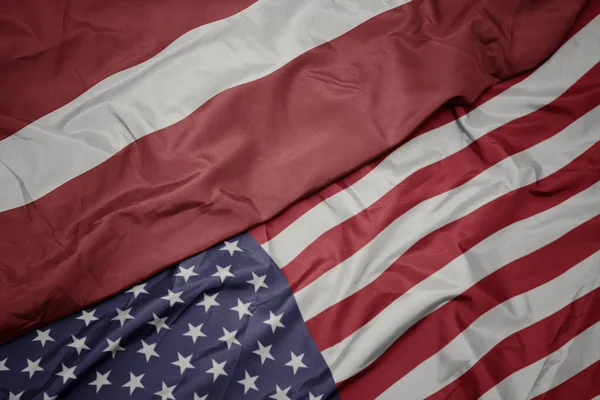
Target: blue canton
[220, 325]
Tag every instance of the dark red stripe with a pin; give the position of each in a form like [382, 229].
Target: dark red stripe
[341, 242]
[53, 51]
[452, 110]
[432, 333]
[583, 386]
[253, 150]
[526, 346]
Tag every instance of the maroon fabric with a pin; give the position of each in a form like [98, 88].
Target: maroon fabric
[253, 150]
[53, 51]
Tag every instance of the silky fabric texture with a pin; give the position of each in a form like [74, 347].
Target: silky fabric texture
[253, 150]
[53, 51]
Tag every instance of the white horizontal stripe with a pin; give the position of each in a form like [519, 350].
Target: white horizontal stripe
[553, 370]
[491, 328]
[546, 84]
[496, 251]
[512, 173]
[167, 88]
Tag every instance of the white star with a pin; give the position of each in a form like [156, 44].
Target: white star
[32, 367]
[123, 316]
[217, 369]
[264, 352]
[166, 392]
[296, 362]
[101, 380]
[274, 321]
[173, 298]
[87, 317]
[48, 397]
[137, 290]
[229, 338]
[183, 363]
[67, 373]
[113, 347]
[313, 397]
[159, 323]
[209, 301]
[280, 394]
[78, 344]
[242, 309]
[148, 350]
[3, 366]
[249, 382]
[12, 396]
[223, 272]
[186, 273]
[194, 332]
[258, 282]
[231, 247]
[196, 397]
[134, 383]
[43, 337]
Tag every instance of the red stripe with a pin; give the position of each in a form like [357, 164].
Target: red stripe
[454, 109]
[252, 150]
[582, 386]
[53, 51]
[341, 242]
[437, 249]
[436, 330]
[526, 346]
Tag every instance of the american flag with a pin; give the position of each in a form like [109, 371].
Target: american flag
[221, 324]
[462, 263]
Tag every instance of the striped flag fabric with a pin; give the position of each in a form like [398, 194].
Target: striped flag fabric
[462, 263]
[118, 131]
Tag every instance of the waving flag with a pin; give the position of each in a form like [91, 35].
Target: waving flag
[464, 263]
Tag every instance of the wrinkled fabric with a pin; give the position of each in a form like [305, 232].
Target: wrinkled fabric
[253, 150]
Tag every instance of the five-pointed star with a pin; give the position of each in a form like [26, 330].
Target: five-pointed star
[209, 301]
[78, 344]
[3, 366]
[173, 298]
[296, 362]
[242, 308]
[32, 367]
[159, 323]
[148, 350]
[231, 247]
[123, 316]
[67, 373]
[194, 332]
[249, 382]
[223, 273]
[134, 382]
[101, 380]
[197, 397]
[137, 290]
[313, 397]
[113, 347]
[258, 282]
[166, 392]
[274, 321]
[88, 316]
[183, 363]
[280, 394]
[229, 338]
[217, 369]
[186, 273]
[43, 337]
[12, 396]
[264, 352]
[48, 397]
